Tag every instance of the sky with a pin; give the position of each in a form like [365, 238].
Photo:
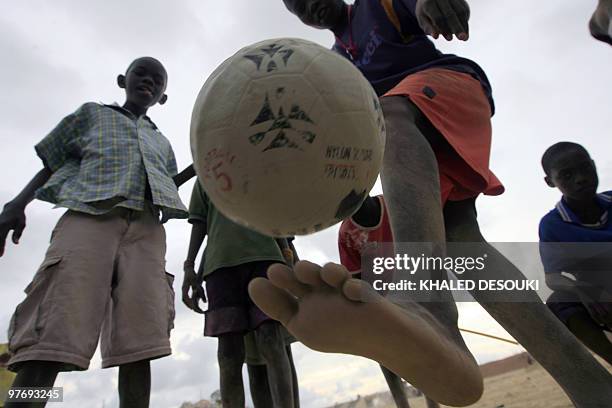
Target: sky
[549, 83]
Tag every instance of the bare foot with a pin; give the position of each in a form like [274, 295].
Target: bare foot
[329, 312]
[601, 22]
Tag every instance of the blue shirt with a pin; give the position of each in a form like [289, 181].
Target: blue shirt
[385, 41]
[562, 225]
[568, 245]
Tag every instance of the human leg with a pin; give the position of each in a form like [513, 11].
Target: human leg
[397, 388]
[410, 178]
[230, 355]
[35, 374]
[272, 347]
[135, 384]
[591, 334]
[585, 381]
[329, 312]
[70, 282]
[258, 373]
[431, 403]
[260, 388]
[74, 280]
[294, 378]
[142, 293]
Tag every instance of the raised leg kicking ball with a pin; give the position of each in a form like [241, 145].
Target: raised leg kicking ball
[287, 137]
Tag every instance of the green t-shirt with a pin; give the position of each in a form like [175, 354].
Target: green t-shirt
[229, 244]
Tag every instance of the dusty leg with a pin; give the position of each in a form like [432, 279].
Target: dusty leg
[260, 389]
[294, 379]
[328, 316]
[329, 312]
[397, 388]
[230, 355]
[35, 374]
[588, 332]
[135, 385]
[532, 324]
[271, 345]
[431, 403]
[412, 194]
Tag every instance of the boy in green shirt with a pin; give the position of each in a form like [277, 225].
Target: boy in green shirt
[234, 255]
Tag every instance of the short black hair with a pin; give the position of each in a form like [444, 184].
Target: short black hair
[553, 151]
[144, 58]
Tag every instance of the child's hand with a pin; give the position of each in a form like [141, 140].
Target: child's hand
[601, 313]
[597, 303]
[600, 24]
[12, 218]
[288, 255]
[444, 17]
[190, 281]
[4, 359]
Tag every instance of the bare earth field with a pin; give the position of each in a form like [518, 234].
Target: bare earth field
[509, 383]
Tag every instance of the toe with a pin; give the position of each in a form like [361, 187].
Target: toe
[275, 302]
[283, 277]
[308, 273]
[360, 291]
[334, 275]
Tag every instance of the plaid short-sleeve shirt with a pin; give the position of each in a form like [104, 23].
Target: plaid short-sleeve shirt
[102, 157]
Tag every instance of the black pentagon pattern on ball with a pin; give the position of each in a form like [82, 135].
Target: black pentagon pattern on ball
[379, 120]
[271, 51]
[350, 204]
[282, 124]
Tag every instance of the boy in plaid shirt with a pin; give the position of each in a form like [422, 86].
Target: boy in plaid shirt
[104, 272]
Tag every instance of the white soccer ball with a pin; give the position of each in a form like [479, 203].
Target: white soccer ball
[287, 137]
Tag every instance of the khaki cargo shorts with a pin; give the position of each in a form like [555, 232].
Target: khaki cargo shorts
[102, 277]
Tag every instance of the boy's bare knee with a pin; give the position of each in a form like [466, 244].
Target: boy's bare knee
[228, 359]
[136, 365]
[393, 106]
[269, 340]
[267, 331]
[231, 350]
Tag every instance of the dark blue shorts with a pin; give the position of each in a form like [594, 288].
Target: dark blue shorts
[230, 308]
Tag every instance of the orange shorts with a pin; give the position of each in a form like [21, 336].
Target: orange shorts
[458, 108]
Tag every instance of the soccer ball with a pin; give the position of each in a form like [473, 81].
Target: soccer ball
[287, 137]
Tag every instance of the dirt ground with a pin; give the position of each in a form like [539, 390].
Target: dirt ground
[530, 387]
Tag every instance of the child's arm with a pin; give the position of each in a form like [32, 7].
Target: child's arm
[595, 299]
[184, 176]
[600, 24]
[283, 244]
[13, 215]
[296, 257]
[190, 279]
[586, 290]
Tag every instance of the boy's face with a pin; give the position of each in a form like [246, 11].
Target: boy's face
[145, 82]
[323, 14]
[573, 173]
